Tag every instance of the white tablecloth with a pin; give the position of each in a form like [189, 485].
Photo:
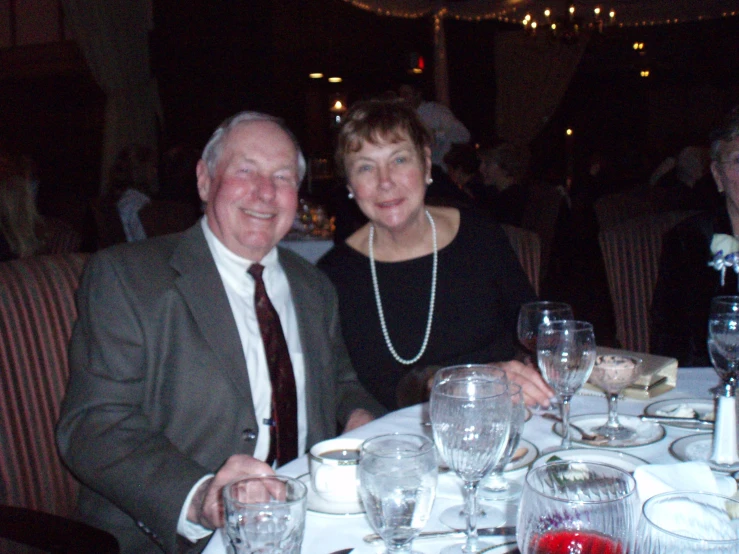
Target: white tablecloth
[310, 249]
[326, 533]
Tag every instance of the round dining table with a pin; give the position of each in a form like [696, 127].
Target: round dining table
[331, 533]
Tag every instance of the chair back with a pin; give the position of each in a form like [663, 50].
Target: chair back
[527, 247]
[60, 237]
[37, 311]
[619, 207]
[541, 215]
[631, 254]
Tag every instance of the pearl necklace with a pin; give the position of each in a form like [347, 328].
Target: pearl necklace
[378, 300]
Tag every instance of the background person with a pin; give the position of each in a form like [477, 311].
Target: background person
[685, 282]
[170, 395]
[448, 282]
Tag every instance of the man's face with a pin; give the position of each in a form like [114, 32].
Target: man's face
[253, 194]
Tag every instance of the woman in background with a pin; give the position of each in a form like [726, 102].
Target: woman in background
[21, 226]
[420, 287]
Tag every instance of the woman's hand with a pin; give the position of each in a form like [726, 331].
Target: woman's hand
[535, 390]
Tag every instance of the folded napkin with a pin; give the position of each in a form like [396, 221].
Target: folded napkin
[685, 476]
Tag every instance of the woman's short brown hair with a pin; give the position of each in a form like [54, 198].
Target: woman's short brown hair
[377, 121]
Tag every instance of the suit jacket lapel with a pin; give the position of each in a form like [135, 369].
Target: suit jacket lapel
[202, 288]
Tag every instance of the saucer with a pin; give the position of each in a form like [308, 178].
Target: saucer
[646, 432]
[526, 459]
[318, 504]
[697, 448]
[701, 406]
[623, 461]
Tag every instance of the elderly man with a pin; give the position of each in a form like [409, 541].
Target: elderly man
[204, 356]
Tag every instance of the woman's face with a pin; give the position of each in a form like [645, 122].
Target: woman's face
[490, 171]
[389, 180]
[726, 173]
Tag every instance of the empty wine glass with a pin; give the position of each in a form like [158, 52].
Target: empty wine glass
[487, 516]
[582, 507]
[532, 315]
[495, 486]
[723, 349]
[613, 374]
[470, 413]
[689, 523]
[397, 481]
[566, 354]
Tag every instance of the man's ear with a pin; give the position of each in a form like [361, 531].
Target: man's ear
[717, 177]
[203, 175]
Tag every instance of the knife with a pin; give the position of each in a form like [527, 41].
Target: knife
[484, 532]
[672, 419]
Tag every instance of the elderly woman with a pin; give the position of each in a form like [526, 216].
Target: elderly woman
[693, 265]
[504, 171]
[419, 287]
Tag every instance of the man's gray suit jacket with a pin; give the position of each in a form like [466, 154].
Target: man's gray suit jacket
[159, 391]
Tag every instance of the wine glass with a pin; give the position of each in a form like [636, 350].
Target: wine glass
[397, 481]
[487, 516]
[723, 349]
[582, 507]
[532, 315]
[470, 412]
[689, 522]
[566, 354]
[495, 486]
[614, 373]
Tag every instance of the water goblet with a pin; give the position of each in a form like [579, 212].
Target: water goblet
[689, 523]
[495, 486]
[613, 374]
[723, 349]
[470, 412]
[582, 507]
[566, 354]
[532, 315]
[264, 514]
[397, 481]
[487, 516]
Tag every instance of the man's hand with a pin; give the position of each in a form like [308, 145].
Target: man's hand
[535, 390]
[206, 508]
[358, 418]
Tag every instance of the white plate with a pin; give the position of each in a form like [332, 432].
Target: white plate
[697, 448]
[701, 406]
[646, 432]
[627, 462]
[526, 460]
[316, 503]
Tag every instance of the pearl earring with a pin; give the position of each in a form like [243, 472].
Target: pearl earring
[429, 181]
[350, 195]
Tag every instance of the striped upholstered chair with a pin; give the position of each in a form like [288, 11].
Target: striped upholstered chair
[527, 246]
[631, 254]
[37, 311]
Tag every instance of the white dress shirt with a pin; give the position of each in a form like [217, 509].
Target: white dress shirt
[239, 287]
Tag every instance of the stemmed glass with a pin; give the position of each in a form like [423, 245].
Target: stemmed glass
[470, 412]
[397, 481]
[581, 507]
[566, 354]
[689, 522]
[532, 315]
[723, 349]
[487, 516]
[613, 374]
[495, 486]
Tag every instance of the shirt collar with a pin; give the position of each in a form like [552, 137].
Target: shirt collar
[232, 267]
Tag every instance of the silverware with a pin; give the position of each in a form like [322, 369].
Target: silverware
[584, 435]
[672, 419]
[507, 531]
[344, 551]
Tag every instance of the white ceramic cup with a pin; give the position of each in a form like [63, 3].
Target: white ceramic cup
[333, 469]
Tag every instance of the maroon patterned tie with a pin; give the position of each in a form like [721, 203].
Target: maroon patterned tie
[284, 429]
